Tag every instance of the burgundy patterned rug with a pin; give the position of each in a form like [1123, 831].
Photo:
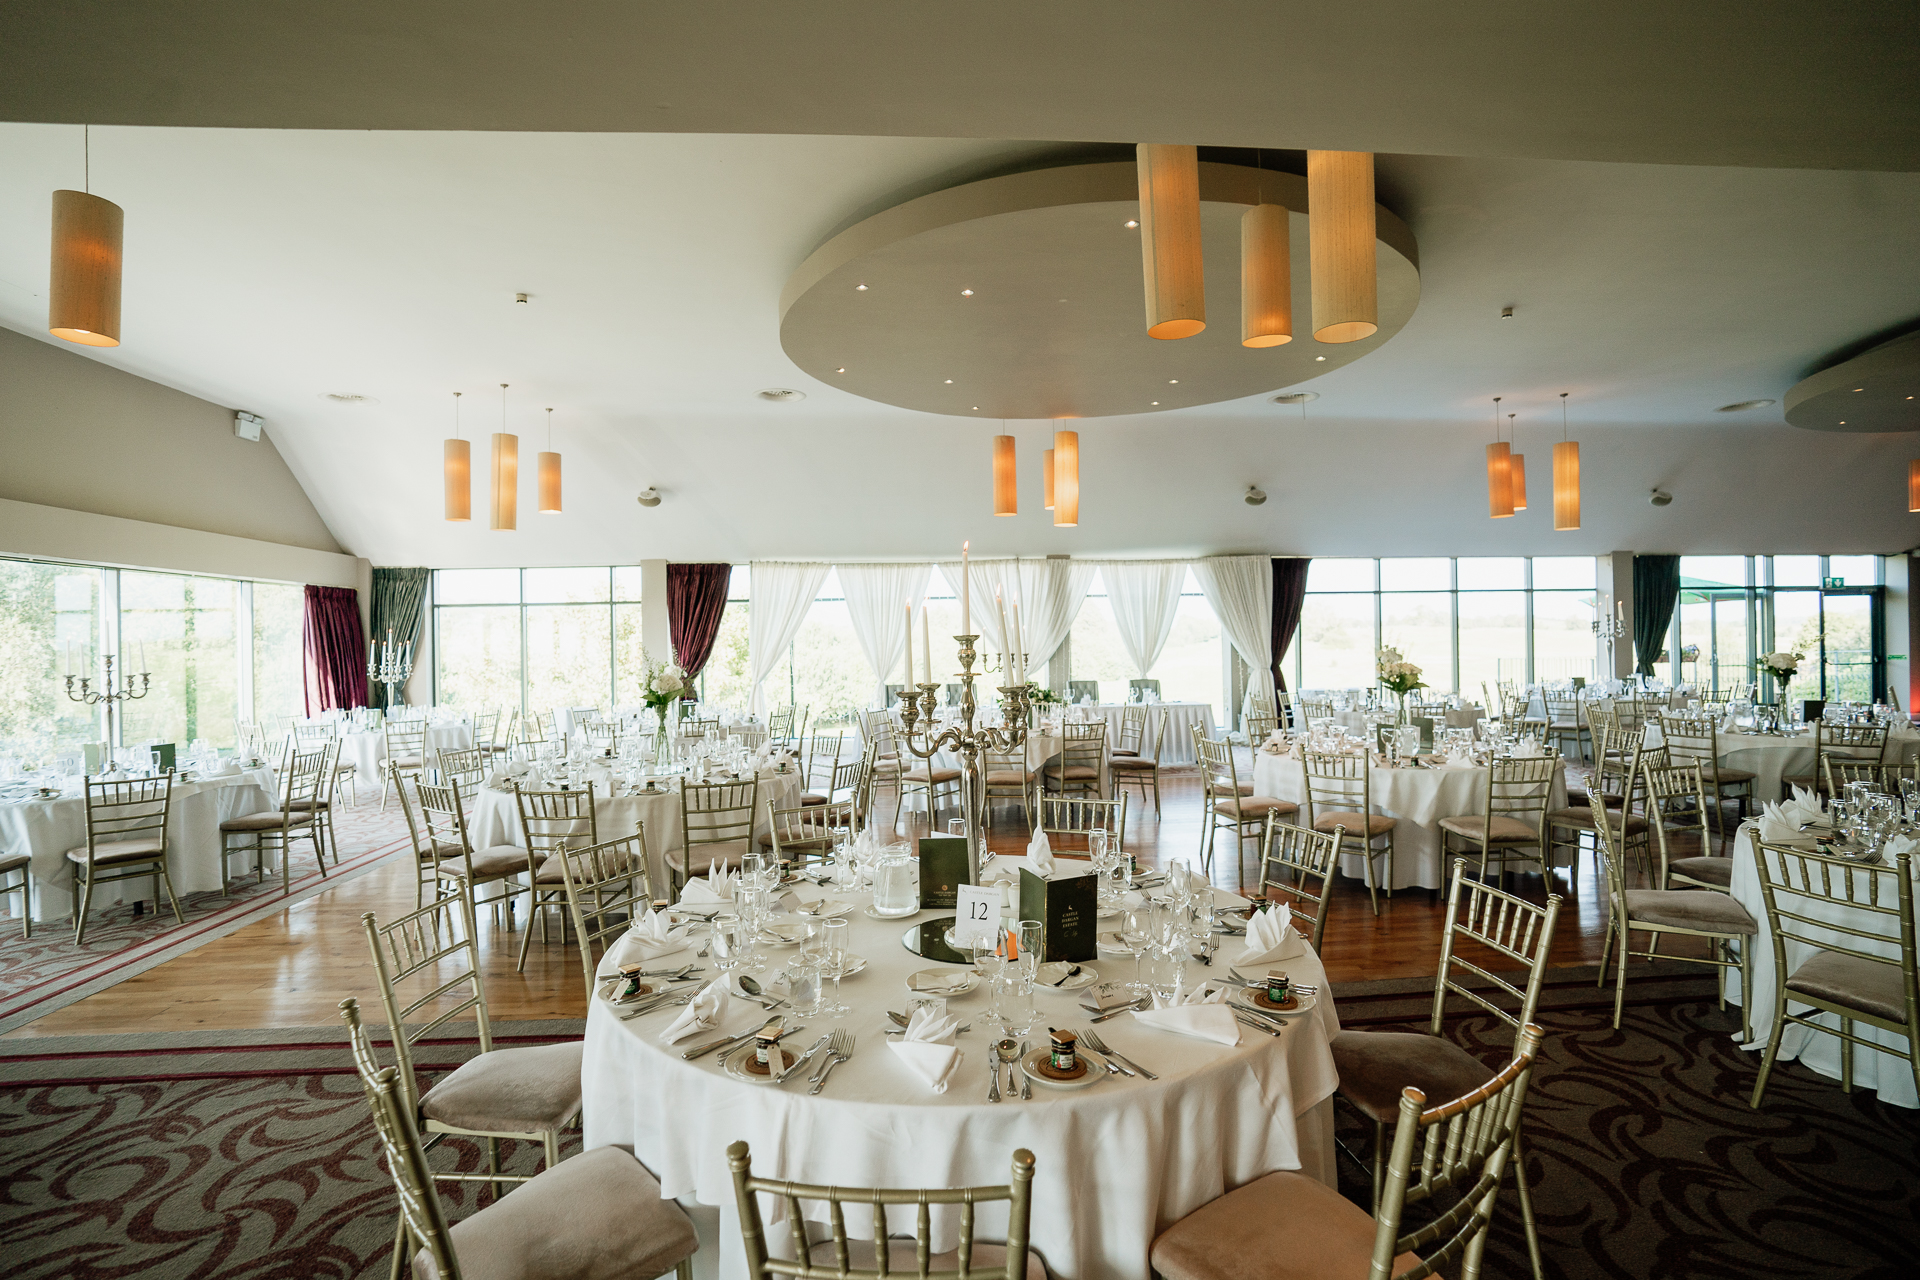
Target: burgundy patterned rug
[47, 972]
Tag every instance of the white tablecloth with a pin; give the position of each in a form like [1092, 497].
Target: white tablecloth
[367, 752]
[1180, 718]
[1771, 758]
[1418, 797]
[1891, 1077]
[1114, 1163]
[46, 829]
[495, 819]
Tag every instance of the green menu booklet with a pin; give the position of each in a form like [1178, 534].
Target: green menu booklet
[943, 869]
[1067, 908]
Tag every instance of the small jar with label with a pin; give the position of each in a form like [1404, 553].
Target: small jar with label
[1277, 987]
[765, 1045]
[1064, 1044]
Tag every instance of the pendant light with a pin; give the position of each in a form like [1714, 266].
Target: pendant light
[1566, 477]
[506, 471]
[1340, 239]
[1170, 239]
[1266, 277]
[83, 289]
[549, 475]
[1006, 483]
[1046, 478]
[1066, 479]
[1517, 467]
[457, 465]
[1499, 473]
[1913, 485]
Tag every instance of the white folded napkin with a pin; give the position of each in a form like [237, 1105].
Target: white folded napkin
[1040, 855]
[647, 938]
[703, 1013]
[1271, 936]
[939, 984]
[926, 1046]
[713, 889]
[1777, 827]
[1804, 806]
[1193, 1013]
[1897, 845]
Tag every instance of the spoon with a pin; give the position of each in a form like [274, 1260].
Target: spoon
[1008, 1052]
[752, 988]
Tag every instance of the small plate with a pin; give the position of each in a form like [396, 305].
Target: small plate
[1243, 997]
[734, 1064]
[855, 964]
[1097, 1070]
[785, 933]
[942, 982]
[838, 910]
[1087, 976]
[888, 915]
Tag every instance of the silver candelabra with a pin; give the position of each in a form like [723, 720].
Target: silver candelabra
[390, 664]
[1610, 630]
[112, 697]
[969, 743]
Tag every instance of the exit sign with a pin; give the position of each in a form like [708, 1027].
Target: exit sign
[1832, 583]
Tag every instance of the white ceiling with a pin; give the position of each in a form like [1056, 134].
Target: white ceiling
[267, 268]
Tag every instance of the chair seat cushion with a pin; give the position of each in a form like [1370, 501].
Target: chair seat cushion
[127, 850]
[1474, 825]
[1254, 806]
[1375, 824]
[1375, 1066]
[407, 762]
[1009, 777]
[1859, 984]
[524, 1090]
[1714, 871]
[1080, 772]
[814, 797]
[271, 820]
[1232, 1238]
[1580, 815]
[598, 1216]
[923, 774]
[1223, 783]
[989, 1260]
[1689, 909]
[727, 852]
[488, 864]
[1125, 751]
[308, 806]
[1135, 764]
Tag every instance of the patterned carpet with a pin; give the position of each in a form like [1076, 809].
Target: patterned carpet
[250, 1154]
[47, 972]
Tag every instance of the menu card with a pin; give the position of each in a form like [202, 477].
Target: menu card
[161, 753]
[1067, 907]
[943, 869]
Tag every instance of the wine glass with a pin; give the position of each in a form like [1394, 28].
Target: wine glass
[833, 948]
[1136, 934]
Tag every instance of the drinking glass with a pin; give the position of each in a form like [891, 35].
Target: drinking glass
[1136, 935]
[1164, 969]
[833, 948]
[803, 983]
[956, 826]
[728, 932]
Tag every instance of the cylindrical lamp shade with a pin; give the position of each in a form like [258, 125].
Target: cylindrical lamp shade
[83, 294]
[1517, 469]
[1913, 485]
[1566, 485]
[1006, 483]
[506, 480]
[1266, 277]
[1170, 240]
[1340, 240]
[1066, 479]
[458, 467]
[1046, 478]
[549, 484]
[1499, 480]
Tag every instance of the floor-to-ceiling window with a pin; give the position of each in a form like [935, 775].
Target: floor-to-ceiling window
[278, 664]
[181, 629]
[535, 639]
[50, 626]
[1735, 608]
[1191, 668]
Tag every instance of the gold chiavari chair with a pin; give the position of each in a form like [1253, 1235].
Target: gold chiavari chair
[486, 732]
[1068, 820]
[883, 770]
[1083, 756]
[808, 831]
[552, 821]
[1677, 807]
[126, 840]
[884, 1255]
[1259, 728]
[1133, 730]
[608, 887]
[1716, 917]
[716, 824]
[322, 805]
[1312, 709]
[1141, 771]
[525, 1094]
[820, 756]
[466, 766]
[312, 737]
[1340, 797]
[936, 781]
[458, 868]
[601, 735]
[1452, 1156]
[1226, 805]
[1291, 856]
[1862, 962]
[1514, 819]
[1566, 719]
[1374, 1066]
[1695, 739]
[528, 730]
[23, 863]
[1847, 744]
[780, 725]
[599, 1214]
[277, 829]
[406, 742]
[1007, 777]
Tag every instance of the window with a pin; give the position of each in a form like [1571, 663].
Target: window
[278, 662]
[724, 681]
[536, 639]
[50, 618]
[182, 630]
[1191, 668]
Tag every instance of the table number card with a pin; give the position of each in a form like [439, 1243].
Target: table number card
[1067, 907]
[977, 917]
[943, 869]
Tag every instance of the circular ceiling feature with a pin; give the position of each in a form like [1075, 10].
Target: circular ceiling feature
[1054, 328]
[1872, 392]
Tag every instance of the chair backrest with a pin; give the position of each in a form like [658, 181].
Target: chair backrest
[1816, 901]
[466, 766]
[717, 812]
[1518, 787]
[1078, 689]
[130, 809]
[1691, 739]
[1084, 745]
[1064, 816]
[780, 725]
[310, 736]
[1133, 728]
[1316, 709]
[529, 727]
[608, 887]
[1564, 710]
[1676, 800]
[406, 740]
[747, 1190]
[1290, 857]
[601, 733]
[427, 960]
[1338, 781]
[1135, 685]
[1260, 728]
[421, 1215]
[1220, 774]
[1512, 927]
[752, 737]
[556, 820]
[1458, 1147]
[305, 776]
[1838, 773]
[823, 755]
[1858, 742]
[485, 725]
[1631, 713]
[846, 777]
[699, 728]
[811, 830]
[443, 821]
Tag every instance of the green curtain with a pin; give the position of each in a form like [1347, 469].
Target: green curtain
[399, 604]
[1656, 592]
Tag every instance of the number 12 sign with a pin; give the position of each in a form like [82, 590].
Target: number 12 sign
[978, 918]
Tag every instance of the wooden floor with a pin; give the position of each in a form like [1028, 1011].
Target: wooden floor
[292, 969]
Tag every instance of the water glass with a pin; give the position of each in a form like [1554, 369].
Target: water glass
[956, 826]
[1164, 967]
[726, 942]
[803, 984]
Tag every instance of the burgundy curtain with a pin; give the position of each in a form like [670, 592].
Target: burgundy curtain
[336, 656]
[696, 597]
[1289, 593]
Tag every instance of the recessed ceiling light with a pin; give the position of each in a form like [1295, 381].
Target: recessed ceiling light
[1319, 357]
[966, 293]
[976, 408]
[1506, 313]
[1132, 223]
[1156, 402]
[1173, 382]
[841, 369]
[781, 395]
[1843, 422]
[859, 288]
[1859, 388]
[347, 397]
[520, 298]
[949, 381]
[1295, 397]
[1739, 405]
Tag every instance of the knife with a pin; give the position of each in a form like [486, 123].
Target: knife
[774, 1022]
[1128, 1007]
[802, 1060]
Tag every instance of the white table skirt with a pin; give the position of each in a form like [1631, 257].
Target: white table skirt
[495, 819]
[1771, 758]
[46, 829]
[1114, 1164]
[1180, 717]
[1890, 1076]
[367, 752]
[1418, 797]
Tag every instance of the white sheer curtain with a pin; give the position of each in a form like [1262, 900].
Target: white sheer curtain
[877, 596]
[1240, 589]
[1145, 595]
[782, 592]
[1050, 593]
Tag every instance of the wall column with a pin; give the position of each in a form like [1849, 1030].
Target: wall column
[656, 633]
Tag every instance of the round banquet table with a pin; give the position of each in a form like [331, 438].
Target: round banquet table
[1770, 757]
[46, 829]
[1115, 1163]
[495, 819]
[367, 751]
[1176, 748]
[1418, 797]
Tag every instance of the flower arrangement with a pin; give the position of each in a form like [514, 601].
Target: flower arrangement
[664, 685]
[1689, 653]
[1039, 694]
[1782, 663]
[1396, 673]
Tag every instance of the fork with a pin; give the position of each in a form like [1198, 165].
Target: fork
[840, 1046]
[1092, 1040]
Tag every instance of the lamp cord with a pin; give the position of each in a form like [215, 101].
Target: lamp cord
[1563, 417]
[456, 415]
[1496, 419]
[549, 430]
[86, 158]
[503, 408]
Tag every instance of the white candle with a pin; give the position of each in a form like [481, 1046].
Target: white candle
[966, 593]
[926, 641]
[909, 646]
[1006, 642]
[144, 668]
[1019, 647]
